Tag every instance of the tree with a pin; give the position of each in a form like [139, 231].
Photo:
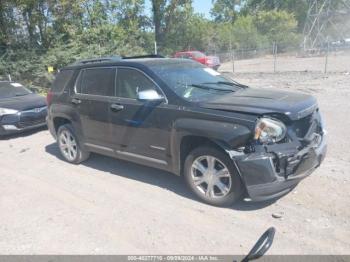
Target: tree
[129, 13]
[164, 14]
[277, 26]
[245, 33]
[224, 10]
[5, 21]
[297, 7]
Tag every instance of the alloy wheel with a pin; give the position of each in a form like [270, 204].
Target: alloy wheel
[211, 177]
[68, 145]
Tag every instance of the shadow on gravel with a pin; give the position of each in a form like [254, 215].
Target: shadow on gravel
[23, 134]
[149, 175]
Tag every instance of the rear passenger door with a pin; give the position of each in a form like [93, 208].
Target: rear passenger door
[93, 92]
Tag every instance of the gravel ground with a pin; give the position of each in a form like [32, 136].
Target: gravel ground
[336, 62]
[107, 206]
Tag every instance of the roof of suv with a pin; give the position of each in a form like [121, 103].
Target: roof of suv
[128, 61]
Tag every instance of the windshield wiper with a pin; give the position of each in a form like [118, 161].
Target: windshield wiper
[211, 88]
[233, 83]
[21, 94]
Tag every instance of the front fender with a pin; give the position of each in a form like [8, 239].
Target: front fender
[225, 134]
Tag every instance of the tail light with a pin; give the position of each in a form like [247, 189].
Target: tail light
[209, 61]
[49, 97]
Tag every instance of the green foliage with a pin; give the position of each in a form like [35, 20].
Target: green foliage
[297, 7]
[259, 31]
[277, 26]
[224, 11]
[35, 34]
[169, 17]
[246, 35]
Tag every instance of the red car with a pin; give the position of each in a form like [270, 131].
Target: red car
[210, 61]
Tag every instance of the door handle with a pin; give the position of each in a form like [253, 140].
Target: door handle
[76, 101]
[116, 107]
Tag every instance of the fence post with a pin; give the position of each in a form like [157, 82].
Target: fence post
[326, 61]
[274, 47]
[233, 60]
[99, 49]
[9, 77]
[155, 48]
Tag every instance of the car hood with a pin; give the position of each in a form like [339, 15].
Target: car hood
[265, 101]
[21, 103]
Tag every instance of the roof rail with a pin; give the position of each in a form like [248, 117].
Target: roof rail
[143, 56]
[98, 60]
[113, 59]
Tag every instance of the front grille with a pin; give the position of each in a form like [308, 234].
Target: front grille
[23, 124]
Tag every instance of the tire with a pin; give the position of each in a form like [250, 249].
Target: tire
[223, 180]
[69, 145]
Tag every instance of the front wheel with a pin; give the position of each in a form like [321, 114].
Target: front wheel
[211, 175]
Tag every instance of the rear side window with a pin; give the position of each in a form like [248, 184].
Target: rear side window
[185, 55]
[62, 80]
[98, 81]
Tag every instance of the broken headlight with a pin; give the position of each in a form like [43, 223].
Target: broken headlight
[268, 130]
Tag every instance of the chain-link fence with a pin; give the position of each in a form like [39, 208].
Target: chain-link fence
[334, 57]
[276, 58]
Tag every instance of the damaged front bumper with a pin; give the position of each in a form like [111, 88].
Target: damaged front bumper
[272, 171]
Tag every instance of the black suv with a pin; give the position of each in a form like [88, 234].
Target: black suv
[225, 138]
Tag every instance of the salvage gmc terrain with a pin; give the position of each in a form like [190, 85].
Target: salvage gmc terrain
[225, 138]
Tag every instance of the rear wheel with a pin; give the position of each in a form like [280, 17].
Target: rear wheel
[212, 176]
[69, 145]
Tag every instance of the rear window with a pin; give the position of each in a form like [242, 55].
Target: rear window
[98, 81]
[62, 80]
[198, 55]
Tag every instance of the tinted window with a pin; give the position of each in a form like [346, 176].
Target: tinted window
[62, 80]
[130, 81]
[186, 56]
[8, 90]
[98, 81]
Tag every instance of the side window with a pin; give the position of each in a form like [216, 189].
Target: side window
[130, 81]
[61, 80]
[187, 56]
[97, 81]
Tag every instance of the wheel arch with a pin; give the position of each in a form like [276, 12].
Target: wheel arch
[188, 134]
[61, 119]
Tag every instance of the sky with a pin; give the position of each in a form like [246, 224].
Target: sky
[200, 6]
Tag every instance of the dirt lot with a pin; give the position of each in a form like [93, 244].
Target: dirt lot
[336, 62]
[106, 206]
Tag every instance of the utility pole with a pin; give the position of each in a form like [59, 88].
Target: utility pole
[323, 16]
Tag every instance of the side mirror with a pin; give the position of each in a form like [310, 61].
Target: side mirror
[149, 95]
[262, 245]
